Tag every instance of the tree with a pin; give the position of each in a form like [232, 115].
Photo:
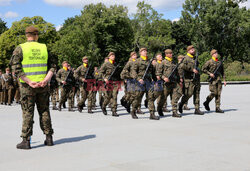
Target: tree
[150, 29]
[3, 26]
[220, 25]
[11, 38]
[96, 32]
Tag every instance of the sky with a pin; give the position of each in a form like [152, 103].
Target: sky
[56, 11]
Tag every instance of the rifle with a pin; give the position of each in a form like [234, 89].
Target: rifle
[68, 79]
[112, 73]
[86, 74]
[196, 63]
[149, 63]
[170, 77]
[216, 71]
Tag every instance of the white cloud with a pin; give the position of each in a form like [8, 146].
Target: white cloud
[10, 14]
[176, 19]
[131, 4]
[245, 4]
[58, 27]
[8, 2]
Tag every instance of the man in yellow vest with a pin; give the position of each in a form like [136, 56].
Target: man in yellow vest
[30, 63]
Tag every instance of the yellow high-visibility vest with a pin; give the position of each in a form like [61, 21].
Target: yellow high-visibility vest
[35, 58]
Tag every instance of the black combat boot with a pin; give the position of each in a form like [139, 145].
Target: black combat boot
[160, 112]
[153, 117]
[104, 111]
[206, 105]
[175, 114]
[128, 107]
[122, 102]
[90, 111]
[138, 111]
[134, 115]
[146, 103]
[49, 140]
[60, 107]
[198, 112]
[185, 107]
[165, 109]
[83, 105]
[114, 113]
[79, 108]
[218, 110]
[54, 108]
[64, 105]
[180, 107]
[25, 144]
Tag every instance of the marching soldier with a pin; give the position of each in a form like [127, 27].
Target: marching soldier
[53, 86]
[172, 82]
[191, 81]
[30, 62]
[96, 76]
[65, 77]
[7, 86]
[137, 73]
[100, 91]
[110, 95]
[80, 75]
[215, 86]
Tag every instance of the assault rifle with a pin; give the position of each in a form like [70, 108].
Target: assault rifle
[68, 79]
[196, 63]
[86, 74]
[216, 71]
[112, 73]
[171, 75]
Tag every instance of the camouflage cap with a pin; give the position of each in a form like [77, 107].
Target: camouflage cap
[168, 51]
[142, 49]
[85, 57]
[64, 62]
[111, 53]
[190, 47]
[31, 29]
[213, 52]
[132, 54]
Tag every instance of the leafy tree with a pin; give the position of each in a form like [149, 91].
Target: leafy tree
[96, 32]
[11, 38]
[3, 26]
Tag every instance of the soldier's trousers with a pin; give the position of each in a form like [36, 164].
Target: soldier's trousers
[30, 97]
[94, 98]
[172, 89]
[7, 93]
[215, 89]
[192, 89]
[53, 93]
[1, 96]
[77, 94]
[66, 93]
[110, 96]
[86, 94]
[17, 94]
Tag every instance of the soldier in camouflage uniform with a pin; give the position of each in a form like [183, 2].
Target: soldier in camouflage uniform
[96, 76]
[24, 59]
[215, 86]
[7, 86]
[80, 75]
[137, 73]
[65, 77]
[16, 92]
[191, 81]
[172, 85]
[110, 95]
[1, 89]
[53, 86]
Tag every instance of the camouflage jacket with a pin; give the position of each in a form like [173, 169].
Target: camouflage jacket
[168, 67]
[187, 67]
[210, 66]
[126, 72]
[80, 73]
[62, 76]
[16, 62]
[15, 81]
[139, 69]
[106, 70]
[7, 81]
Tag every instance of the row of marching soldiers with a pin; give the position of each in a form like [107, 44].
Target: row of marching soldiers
[9, 88]
[157, 78]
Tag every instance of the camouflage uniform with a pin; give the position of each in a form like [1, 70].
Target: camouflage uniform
[8, 87]
[1, 90]
[31, 96]
[215, 86]
[53, 90]
[137, 73]
[192, 86]
[66, 90]
[171, 88]
[85, 94]
[16, 92]
[110, 96]
[96, 75]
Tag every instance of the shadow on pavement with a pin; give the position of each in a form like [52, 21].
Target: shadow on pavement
[69, 140]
